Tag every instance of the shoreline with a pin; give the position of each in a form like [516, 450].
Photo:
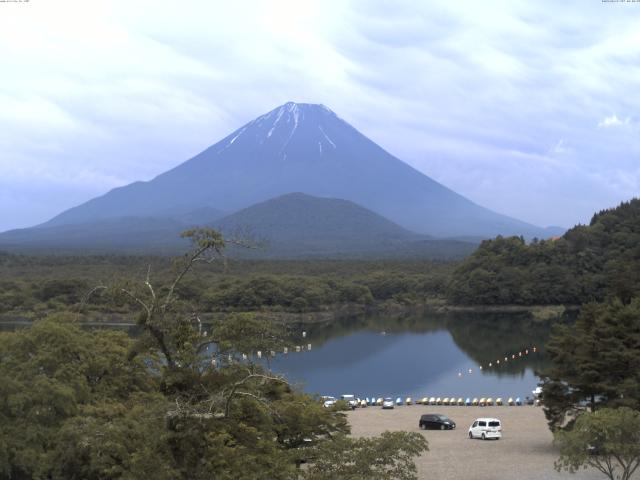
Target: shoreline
[537, 312]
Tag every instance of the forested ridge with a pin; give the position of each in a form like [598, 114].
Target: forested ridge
[36, 286]
[588, 263]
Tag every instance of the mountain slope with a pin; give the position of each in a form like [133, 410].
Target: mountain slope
[305, 148]
[131, 234]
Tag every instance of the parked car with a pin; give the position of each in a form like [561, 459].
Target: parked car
[486, 428]
[436, 421]
[351, 400]
[328, 401]
[388, 403]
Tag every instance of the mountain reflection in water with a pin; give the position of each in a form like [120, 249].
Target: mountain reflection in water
[419, 355]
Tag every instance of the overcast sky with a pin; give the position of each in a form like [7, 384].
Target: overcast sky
[529, 108]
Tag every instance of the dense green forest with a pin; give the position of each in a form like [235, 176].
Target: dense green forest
[588, 263]
[174, 402]
[35, 286]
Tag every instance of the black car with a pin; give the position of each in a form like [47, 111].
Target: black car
[435, 421]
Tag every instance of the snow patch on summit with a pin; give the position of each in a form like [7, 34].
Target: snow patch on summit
[273, 127]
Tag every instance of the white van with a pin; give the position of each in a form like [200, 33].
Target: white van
[486, 428]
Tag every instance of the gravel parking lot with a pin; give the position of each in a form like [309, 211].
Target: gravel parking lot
[525, 451]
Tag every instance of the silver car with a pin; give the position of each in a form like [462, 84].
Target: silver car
[388, 403]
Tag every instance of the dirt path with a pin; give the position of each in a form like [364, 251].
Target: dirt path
[525, 452]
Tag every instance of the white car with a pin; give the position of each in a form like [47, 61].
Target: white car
[388, 403]
[351, 400]
[328, 401]
[486, 428]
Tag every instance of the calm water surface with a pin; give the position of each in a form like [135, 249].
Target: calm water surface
[414, 354]
[419, 356]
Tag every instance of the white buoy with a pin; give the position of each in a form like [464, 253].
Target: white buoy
[286, 350]
[309, 346]
[259, 354]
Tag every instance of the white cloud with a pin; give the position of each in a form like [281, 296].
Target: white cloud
[613, 121]
[495, 99]
[560, 147]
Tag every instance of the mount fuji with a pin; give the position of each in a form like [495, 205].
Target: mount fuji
[296, 147]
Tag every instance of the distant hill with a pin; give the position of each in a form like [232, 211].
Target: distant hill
[301, 148]
[296, 224]
[317, 224]
[589, 262]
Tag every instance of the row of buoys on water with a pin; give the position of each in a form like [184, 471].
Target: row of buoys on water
[297, 348]
[453, 401]
[285, 351]
[271, 353]
[506, 359]
[513, 356]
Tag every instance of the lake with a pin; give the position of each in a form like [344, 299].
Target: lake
[419, 355]
[413, 354]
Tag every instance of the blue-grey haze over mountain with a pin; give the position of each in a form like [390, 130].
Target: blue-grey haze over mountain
[305, 148]
[526, 108]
